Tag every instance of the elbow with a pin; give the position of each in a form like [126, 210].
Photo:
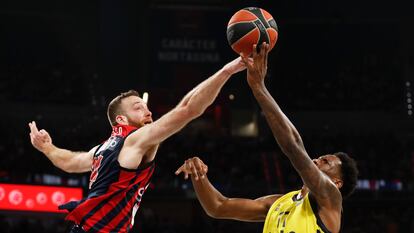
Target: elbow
[212, 214]
[291, 146]
[64, 167]
[190, 112]
[218, 211]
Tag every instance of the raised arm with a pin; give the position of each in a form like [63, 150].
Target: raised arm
[218, 206]
[190, 107]
[68, 161]
[285, 132]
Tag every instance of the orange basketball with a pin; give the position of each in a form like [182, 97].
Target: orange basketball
[250, 26]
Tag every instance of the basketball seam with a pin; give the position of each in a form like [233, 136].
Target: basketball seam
[252, 14]
[268, 37]
[261, 10]
[268, 21]
[258, 38]
[273, 29]
[264, 17]
[245, 21]
[228, 26]
[246, 35]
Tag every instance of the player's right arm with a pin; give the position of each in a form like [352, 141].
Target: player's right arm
[216, 205]
[68, 161]
[190, 107]
[287, 136]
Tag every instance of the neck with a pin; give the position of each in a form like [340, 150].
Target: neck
[304, 191]
[122, 130]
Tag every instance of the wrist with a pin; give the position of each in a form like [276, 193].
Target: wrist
[257, 85]
[48, 150]
[226, 71]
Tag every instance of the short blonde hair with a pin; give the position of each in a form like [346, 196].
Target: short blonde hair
[114, 107]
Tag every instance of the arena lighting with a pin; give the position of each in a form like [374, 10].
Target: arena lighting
[36, 198]
[409, 101]
[145, 97]
[374, 185]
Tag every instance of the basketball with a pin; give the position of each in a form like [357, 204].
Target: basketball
[251, 25]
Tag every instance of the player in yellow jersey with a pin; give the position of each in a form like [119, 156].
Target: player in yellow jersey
[316, 208]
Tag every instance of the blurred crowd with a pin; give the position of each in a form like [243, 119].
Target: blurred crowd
[238, 166]
[244, 160]
[366, 217]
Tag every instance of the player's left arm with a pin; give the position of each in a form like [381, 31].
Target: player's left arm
[67, 160]
[216, 205]
[286, 134]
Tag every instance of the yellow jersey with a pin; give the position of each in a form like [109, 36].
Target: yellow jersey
[291, 215]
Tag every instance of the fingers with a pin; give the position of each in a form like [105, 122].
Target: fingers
[182, 169]
[199, 167]
[34, 130]
[266, 54]
[254, 50]
[260, 56]
[44, 134]
[31, 138]
[193, 166]
[33, 127]
[248, 61]
[244, 59]
[263, 50]
[179, 170]
[36, 133]
[194, 171]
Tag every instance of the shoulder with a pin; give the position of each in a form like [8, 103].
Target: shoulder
[269, 200]
[133, 137]
[328, 215]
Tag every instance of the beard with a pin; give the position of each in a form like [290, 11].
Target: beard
[138, 124]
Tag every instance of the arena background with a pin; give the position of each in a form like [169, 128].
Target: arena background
[343, 71]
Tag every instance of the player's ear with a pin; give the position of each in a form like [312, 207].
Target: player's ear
[338, 183]
[122, 120]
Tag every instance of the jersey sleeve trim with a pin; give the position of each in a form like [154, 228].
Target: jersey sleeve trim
[315, 208]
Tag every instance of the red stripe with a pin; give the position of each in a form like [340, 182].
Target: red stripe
[123, 181]
[125, 177]
[84, 208]
[103, 211]
[126, 211]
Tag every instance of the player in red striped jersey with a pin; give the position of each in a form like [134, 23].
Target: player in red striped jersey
[121, 167]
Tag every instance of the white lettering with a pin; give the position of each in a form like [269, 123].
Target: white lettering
[111, 142]
[189, 44]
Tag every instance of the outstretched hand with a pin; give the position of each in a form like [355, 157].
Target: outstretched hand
[193, 166]
[257, 65]
[40, 139]
[235, 66]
